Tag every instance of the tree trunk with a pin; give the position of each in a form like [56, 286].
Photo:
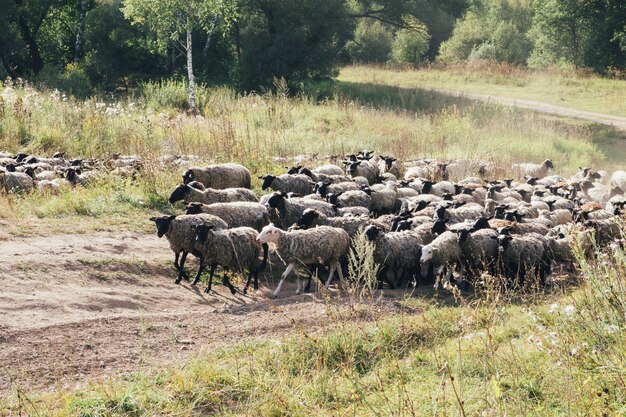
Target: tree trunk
[192, 87]
[78, 52]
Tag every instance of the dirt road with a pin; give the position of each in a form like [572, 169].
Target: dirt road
[541, 107]
[77, 307]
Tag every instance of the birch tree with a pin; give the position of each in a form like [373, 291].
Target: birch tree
[176, 20]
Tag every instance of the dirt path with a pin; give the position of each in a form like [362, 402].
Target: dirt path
[78, 307]
[538, 106]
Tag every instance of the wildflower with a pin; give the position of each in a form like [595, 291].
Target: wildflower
[553, 308]
[569, 309]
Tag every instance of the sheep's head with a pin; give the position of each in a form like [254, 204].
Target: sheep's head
[20, 157]
[193, 208]
[163, 224]
[371, 232]
[267, 181]
[180, 193]
[72, 175]
[427, 185]
[307, 218]
[305, 171]
[482, 223]
[269, 234]
[321, 188]
[352, 166]
[503, 241]
[548, 164]
[333, 198]
[439, 226]
[463, 234]
[293, 170]
[276, 201]
[202, 232]
[427, 254]
[389, 161]
[188, 176]
[58, 155]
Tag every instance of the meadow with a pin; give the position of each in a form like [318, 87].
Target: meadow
[572, 88]
[490, 353]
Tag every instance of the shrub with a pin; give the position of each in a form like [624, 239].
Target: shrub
[372, 43]
[410, 46]
[71, 80]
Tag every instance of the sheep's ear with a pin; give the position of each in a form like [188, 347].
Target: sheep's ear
[261, 177]
[153, 219]
[493, 237]
[193, 227]
[172, 217]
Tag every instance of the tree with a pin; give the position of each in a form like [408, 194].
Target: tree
[371, 43]
[410, 46]
[174, 18]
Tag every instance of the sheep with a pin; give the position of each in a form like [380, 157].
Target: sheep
[388, 164]
[618, 180]
[240, 214]
[220, 176]
[16, 182]
[236, 249]
[362, 168]
[286, 183]
[534, 170]
[442, 253]
[288, 211]
[398, 252]
[479, 248]
[355, 198]
[321, 245]
[383, 198]
[177, 231]
[53, 186]
[324, 188]
[520, 255]
[351, 224]
[467, 212]
[210, 195]
[329, 169]
[323, 177]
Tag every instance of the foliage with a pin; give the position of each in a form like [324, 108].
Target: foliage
[579, 33]
[72, 79]
[371, 43]
[500, 25]
[291, 39]
[410, 46]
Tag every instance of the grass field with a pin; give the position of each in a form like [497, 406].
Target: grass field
[560, 353]
[568, 89]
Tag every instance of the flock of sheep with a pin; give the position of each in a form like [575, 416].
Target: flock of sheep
[423, 227]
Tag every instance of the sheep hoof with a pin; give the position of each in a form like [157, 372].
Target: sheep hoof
[177, 281]
[274, 295]
[245, 291]
[207, 290]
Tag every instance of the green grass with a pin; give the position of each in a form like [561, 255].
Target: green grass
[568, 89]
[255, 129]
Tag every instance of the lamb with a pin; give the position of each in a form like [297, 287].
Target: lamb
[351, 224]
[521, 255]
[236, 249]
[286, 183]
[16, 182]
[322, 245]
[534, 170]
[240, 214]
[177, 231]
[220, 176]
[288, 211]
[362, 168]
[210, 195]
[398, 252]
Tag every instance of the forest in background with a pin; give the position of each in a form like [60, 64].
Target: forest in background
[97, 46]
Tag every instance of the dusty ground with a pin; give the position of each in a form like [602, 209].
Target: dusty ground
[78, 307]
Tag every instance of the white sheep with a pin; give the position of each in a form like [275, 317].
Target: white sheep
[209, 196]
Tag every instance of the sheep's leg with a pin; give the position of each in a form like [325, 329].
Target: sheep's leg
[307, 288]
[245, 289]
[331, 275]
[176, 265]
[226, 282]
[282, 279]
[211, 273]
[342, 281]
[298, 282]
[200, 271]
[181, 268]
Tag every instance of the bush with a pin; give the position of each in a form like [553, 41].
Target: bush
[72, 80]
[410, 46]
[372, 43]
[484, 52]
